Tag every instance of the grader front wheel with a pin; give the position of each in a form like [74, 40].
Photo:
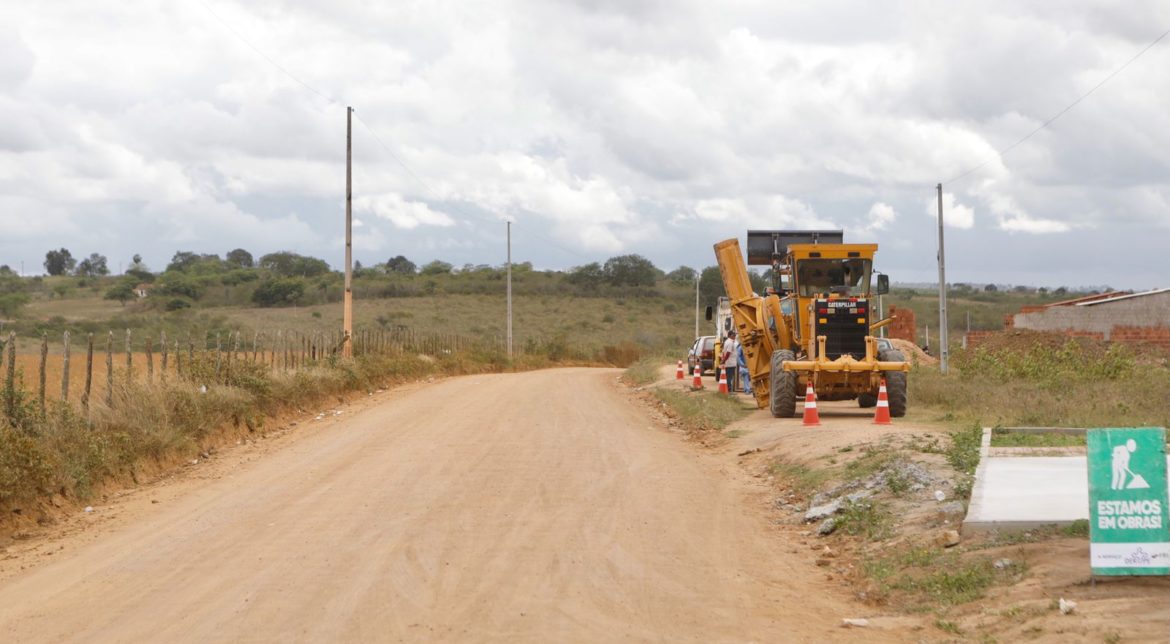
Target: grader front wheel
[782, 398]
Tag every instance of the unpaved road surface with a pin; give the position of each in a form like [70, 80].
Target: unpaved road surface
[542, 506]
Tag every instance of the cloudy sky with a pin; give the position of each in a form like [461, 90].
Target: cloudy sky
[599, 127]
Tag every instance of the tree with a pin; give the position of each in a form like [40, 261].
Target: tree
[92, 266]
[289, 264]
[400, 264]
[590, 275]
[682, 275]
[123, 292]
[630, 270]
[437, 267]
[59, 262]
[239, 258]
[177, 284]
[279, 292]
[990, 288]
[188, 262]
[711, 286]
[11, 303]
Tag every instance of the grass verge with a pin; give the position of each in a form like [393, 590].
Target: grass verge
[643, 372]
[702, 410]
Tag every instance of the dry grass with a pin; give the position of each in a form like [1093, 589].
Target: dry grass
[65, 451]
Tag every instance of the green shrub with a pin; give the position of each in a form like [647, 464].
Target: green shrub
[279, 292]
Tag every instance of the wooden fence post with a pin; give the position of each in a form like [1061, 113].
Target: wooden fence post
[129, 360]
[255, 345]
[65, 367]
[149, 360]
[230, 349]
[162, 345]
[10, 379]
[218, 348]
[44, 359]
[88, 371]
[178, 360]
[110, 369]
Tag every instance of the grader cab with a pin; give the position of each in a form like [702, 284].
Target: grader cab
[814, 325]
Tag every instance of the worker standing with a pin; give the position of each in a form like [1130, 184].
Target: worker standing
[744, 376]
[730, 359]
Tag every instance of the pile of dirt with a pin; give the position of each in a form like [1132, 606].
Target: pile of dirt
[914, 353]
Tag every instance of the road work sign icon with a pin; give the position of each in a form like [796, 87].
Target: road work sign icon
[1128, 513]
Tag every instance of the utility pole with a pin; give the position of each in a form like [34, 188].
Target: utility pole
[698, 278]
[942, 290]
[347, 315]
[509, 290]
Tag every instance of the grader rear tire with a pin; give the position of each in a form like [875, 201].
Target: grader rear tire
[865, 401]
[895, 384]
[782, 397]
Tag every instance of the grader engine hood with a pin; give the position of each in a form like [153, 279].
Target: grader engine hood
[845, 323]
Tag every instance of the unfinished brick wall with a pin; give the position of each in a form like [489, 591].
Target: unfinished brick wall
[975, 338]
[1155, 335]
[1140, 318]
[904, 326]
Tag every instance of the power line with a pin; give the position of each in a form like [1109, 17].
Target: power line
[1045, 124]
[265, 56]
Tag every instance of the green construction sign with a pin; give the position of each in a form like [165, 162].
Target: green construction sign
[1128, 514]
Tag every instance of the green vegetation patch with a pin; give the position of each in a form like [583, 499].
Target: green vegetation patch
[803, 480]
[926, 577]
[866, 518]
[703, 410]
[1003, 438]
[642, 372]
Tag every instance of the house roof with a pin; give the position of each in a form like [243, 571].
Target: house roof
[1126, 296]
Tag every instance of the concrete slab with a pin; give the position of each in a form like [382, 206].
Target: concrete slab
[1021, 492]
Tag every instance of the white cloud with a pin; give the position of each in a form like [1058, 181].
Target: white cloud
[607, 127]
[402, 213]
[955, 214]
[880, 216]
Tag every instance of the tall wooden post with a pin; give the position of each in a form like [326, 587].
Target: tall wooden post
[10, 378]
[88, 374]
[44, 359]
[65, 369]
[347, 315]
[943, 354]
[110, 369]
[149, 360]
[509, 290]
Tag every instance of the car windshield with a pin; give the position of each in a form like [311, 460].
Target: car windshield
[838, 276]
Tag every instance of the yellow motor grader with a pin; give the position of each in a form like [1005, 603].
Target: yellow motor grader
[815, 324]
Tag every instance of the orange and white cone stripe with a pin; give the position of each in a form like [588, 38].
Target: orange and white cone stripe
[723, 381]
[698, 381]
[811, 417]
[681, 373]
[881, 415]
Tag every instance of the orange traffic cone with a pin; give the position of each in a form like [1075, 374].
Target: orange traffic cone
[722, 381]
[811, 417]
[679, 375]
[881, 415]
[698, 382]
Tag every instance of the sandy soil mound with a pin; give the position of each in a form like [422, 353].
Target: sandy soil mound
[914, 353]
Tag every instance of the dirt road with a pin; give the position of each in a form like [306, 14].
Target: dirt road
[541, 506]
